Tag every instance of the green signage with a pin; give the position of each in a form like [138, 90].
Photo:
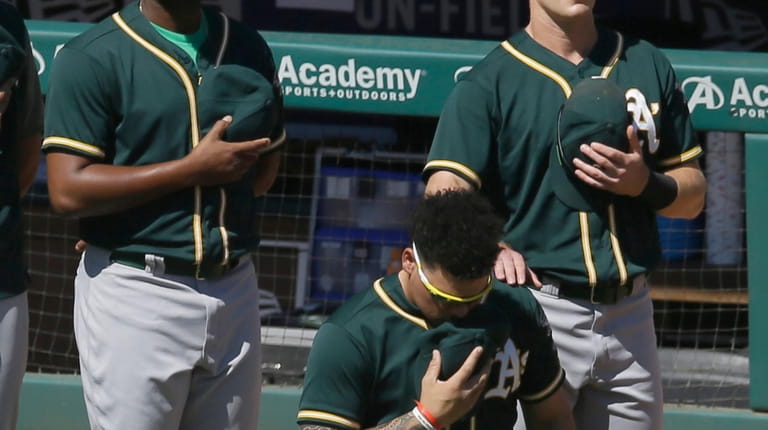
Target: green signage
[412, 76]
[725, 90]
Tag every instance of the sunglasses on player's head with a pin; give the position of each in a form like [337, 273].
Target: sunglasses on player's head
[444, 297]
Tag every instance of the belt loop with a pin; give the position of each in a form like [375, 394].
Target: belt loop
[154, 264]
[592, 296]
[550, 287]
[640, 282]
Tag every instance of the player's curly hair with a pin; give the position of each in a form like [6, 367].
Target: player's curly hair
[457, 230]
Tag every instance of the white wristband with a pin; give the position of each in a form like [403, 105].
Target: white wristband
[422, 419]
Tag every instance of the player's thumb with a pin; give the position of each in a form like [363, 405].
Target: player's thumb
[221, 125]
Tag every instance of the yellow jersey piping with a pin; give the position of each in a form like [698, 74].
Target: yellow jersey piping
[73, 144]
[546, 391]
[682, 158]
[617, 254]
[586, 249]
[535, 65]
[309, 414]
[615, 245]
[197, 229]
[583, 216]
[586, 246]
[452, 165]
[379, 289]
[222, 193]
[615, 58]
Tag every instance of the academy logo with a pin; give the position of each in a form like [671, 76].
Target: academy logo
[705, 93]
[744, 101]
[40, 63]
[460, 72]
[348, 81]
[39, 60]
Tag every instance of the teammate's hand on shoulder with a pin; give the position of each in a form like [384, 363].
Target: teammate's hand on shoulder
[618, 172]
[511, 268]
[215, 161]
[453, 398]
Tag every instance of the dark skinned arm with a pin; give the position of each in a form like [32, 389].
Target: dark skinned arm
[79, 186]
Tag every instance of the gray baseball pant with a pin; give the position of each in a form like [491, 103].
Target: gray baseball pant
[14, 332]
[165, 352]
[610, 357]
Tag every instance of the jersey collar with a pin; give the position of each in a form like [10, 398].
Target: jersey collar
[390, 292]
[602, 54]
[209, 50]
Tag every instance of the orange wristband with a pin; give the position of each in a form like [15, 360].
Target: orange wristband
[428, 415]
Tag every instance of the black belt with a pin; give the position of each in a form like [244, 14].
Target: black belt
[599, 295]
[176, 266]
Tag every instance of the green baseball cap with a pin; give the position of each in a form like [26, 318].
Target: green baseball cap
[243, 93]
[12, 56]
[456, 342]
[596, 111]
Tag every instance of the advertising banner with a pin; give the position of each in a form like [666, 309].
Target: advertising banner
[412, 76]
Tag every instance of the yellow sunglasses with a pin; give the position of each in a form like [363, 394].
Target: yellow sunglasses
[442, 295]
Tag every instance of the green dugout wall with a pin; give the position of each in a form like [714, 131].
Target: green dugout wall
[412, 76]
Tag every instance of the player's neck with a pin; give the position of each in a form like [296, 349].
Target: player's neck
[179, 16]
[402, 276]
[571, 40]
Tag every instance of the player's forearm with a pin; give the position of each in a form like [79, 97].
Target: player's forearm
[97, 189]
[691, 192]
[404, 422]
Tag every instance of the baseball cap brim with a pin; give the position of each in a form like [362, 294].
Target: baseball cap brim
[571, 190]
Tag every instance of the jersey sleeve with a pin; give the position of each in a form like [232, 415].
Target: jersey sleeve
[79, 118]
[464, 138]
[678, 139]
[337, 381]
[543, 373]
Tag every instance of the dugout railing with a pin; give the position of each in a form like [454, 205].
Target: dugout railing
[412, 76]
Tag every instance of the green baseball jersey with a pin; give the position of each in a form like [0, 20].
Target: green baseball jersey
[122, 94]
[22, 119]
[367, 362]
[499, 124]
